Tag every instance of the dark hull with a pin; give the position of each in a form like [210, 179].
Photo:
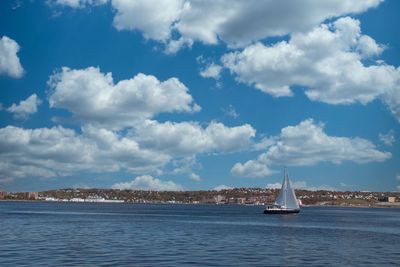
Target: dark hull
[276, 211]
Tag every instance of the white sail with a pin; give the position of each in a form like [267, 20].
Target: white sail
[281, 199]
[291, 201]
[286, 198]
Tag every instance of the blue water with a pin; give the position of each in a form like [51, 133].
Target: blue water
[89, 234]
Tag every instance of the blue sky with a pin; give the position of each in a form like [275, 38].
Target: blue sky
[189, 95]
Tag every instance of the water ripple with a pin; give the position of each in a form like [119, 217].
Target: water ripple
[71, 234]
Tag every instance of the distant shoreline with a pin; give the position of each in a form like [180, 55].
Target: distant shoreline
[385, 205]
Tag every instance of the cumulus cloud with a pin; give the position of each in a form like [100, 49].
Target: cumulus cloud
[264, 143]
[307, 144]
[173, 46]
[392, 99]
[240, 22]
[25, 108]
[9, 61]
[92, 97]
[185, 165]
[302, 185]
[222, 187]
[327, 60]
[274, 186]
[147, 182]
[211, 71]
[194, 176]
[186, 138]
[57, 151]
[388, 139]
[116, 133]
[153, 18]
[236, 23]
[251, 168]
[35, 152]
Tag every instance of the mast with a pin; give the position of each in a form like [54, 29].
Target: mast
[285, 183]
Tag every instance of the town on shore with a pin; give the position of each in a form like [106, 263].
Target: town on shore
[235, 196]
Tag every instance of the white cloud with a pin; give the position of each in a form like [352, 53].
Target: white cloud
[387, 139]
[77, 3]
[327, 60]
[147, 182]
[25, 107]
[103, 109]
[185, 165]
[80, 186]
[299, 184]
[116, 151]
[187, 138]
[398, 188]
[392, 99]
[37, 152]
[153, 18]
[9, 61]
[274, 186]
[92, 97]
[236, 23]
[398, 177]
[347, 186]
[302, 185]
[59, 151]
[194, 176]
[241, 22]
[230, 111]
[222, 187]
[264, 143]
[251, 169]
[174, 46]
[211, 71]
[307, 144]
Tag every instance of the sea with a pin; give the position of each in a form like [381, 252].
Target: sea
[110, 234]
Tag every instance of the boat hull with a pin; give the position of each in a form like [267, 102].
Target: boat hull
[279, 211]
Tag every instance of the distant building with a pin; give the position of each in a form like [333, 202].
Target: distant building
[2, 194]
[237, 201]
[391, 199]
[383, 199]
[219, 199]
[241, 200]
[31, 195]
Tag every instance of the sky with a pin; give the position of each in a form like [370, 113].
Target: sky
[199, 95]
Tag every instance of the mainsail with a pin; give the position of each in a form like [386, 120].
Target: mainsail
[286, 198]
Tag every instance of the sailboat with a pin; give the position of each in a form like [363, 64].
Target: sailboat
[286, 201]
